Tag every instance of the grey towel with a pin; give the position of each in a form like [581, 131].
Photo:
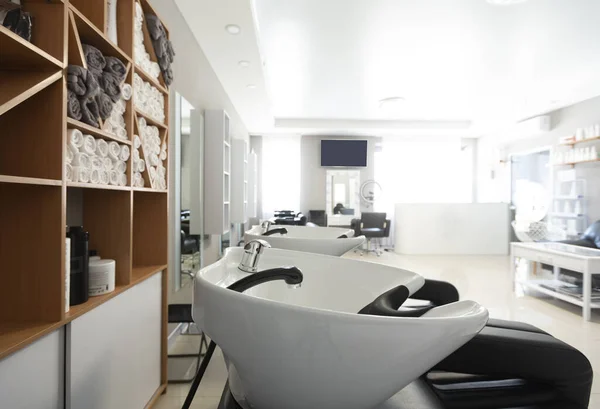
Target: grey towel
[111, 85]
[94, 58]
[155, 27]
[168, 76]
[73, 106]
[90, 112]
[115, 67]
[81, 82]
[105, 105]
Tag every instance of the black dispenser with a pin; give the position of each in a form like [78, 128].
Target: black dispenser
[79, 288]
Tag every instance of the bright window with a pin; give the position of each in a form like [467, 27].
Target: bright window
[280, 174]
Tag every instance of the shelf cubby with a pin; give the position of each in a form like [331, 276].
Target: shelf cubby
[160, 83]
[32, 252]
[94, 12]
[150, 232]
[95, 132]
[49, 26]
[32, 135]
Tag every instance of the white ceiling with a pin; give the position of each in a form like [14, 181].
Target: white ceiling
[463, 66]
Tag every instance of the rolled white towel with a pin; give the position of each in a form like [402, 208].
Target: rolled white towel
[161, 171]
[121, 133]
[69, 172]
[135, 154]
[142, 123]
[69, 155]
[114, 150]
[97, 162]
[122, 179]
[154, 159]
[113, 177]
[120, 166]
[108, 127]
[81, 160]
[141, 165]
[89, 145]
[137, 142]
[108, 164]
[75, 137]
[104, 177]
[95, 176]
[163, 155]
[81, 175]
[152, 172]
[156, 149]
[101, 148]
[126, 91]
[125, 153]
[120, 107]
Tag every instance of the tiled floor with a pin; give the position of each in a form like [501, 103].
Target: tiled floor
[484, 279]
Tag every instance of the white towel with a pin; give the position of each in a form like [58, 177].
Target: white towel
[97, 162]
[69, 155]
[137, 142]
[89, 145]
[161, 172]
[81, 175]
[104, 177]
[126, 91]
[113, 177]
[141, 165]
[69, 172]
[95, 176]
[152, 172]
[124, 153]
[122, 179]
[108, 164]
[121, 133]
[135, 154]
[163, 155]
[154, 159]
[101, 148]
[120, 166]
[81, 160]
[114, 150]
[75, 137]
[108, 128]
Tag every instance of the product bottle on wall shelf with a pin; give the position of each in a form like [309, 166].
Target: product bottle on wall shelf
[79, 285]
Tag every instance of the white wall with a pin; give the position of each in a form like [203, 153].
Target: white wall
[313, 176]
[195, 79]
[564, 122]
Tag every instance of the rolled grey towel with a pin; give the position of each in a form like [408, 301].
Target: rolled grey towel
[90, 112]
[105, 105]
[115, 67]
[82, 82]
[111, 85]
[73, 106]
[160, 47]
[94, 58]
[155, 27]
[168, 76]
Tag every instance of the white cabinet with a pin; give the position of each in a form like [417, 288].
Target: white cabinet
[217, 172]
[252, 184]
[114, 356]
[239, 178]
[33, 378]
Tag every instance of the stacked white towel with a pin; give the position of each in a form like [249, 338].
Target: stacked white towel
[115, 123]
[91, 160]
[155, 152]
[148, 99]
[142, 57]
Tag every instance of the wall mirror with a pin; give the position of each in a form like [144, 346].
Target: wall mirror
[343, 192]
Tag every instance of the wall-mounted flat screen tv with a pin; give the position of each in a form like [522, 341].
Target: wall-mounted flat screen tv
[349, 153]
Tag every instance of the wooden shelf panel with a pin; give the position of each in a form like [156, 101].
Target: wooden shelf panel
[17, 86]
[19, 54]
[99, 187]
[149, 190]
[150, 120]
[96, 132]
[146, 77]
[49, 26]
[596, 138]
[150, 229]
[15, 336]
[29, 181]
[89, 34]
[140, 273]
[576, 163]
[94, 11]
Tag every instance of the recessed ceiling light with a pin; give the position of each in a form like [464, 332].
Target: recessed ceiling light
[251, 86]
[244, 63]
[505, 2]
[233, 29]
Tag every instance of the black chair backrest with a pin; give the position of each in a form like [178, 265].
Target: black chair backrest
[373, 220]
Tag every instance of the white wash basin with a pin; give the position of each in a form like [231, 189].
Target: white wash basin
[321, 240]
[306, 348]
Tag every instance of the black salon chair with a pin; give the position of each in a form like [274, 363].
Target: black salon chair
[318, 217]
[182, 314]
[590, 238]
[372, 225]
[190, 245]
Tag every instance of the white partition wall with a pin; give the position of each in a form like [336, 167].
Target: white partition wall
[252, 185]
[452, 228]
[239, 181]
[114, 357]
[33, 378]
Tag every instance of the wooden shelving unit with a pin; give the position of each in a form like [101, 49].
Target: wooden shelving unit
[129, 225]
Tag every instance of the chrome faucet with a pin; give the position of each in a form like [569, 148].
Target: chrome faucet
[266, 225]
[252, 251]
